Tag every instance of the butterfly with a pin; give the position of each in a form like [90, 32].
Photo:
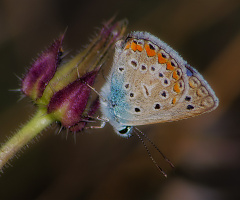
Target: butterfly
[149, 83]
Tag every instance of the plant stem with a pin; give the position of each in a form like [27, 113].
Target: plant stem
[39, 122]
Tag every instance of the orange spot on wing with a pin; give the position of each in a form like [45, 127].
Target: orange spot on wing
[161, 59]
[176, 88]
[127, 45]
[169, 66]
[139, 48]
[150, 52]
[175, 76]
[174, 100]
[134, 46]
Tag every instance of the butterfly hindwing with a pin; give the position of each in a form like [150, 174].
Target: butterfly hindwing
[155, 85]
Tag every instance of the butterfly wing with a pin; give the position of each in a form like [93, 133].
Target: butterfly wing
[151, 83]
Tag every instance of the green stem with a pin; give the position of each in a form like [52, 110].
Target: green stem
[38, 123]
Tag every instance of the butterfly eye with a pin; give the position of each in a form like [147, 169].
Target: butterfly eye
[126, 131]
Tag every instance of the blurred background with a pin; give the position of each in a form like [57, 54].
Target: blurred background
[101, 165]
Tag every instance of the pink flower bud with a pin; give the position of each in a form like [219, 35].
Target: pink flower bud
[42, 70]
[68, 104]
[82, 124]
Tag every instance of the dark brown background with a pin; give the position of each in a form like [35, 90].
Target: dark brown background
[102, 165]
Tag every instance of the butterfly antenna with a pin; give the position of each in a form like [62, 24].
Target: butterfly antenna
[165, 158]
[149, 154]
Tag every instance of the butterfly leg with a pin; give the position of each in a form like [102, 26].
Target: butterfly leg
[103, 123]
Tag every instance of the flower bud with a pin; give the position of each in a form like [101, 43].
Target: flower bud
[42, 70]
[92, 110]
[95, 54]
[68, 104]
[59, 90]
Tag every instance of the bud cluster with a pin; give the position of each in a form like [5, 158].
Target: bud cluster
[63, 89]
